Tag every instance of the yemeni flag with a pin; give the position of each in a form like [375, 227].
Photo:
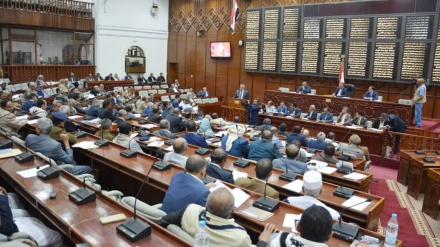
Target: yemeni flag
[341, 72]
[234, 14]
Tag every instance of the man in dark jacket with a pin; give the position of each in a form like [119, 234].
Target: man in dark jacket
[215, 168]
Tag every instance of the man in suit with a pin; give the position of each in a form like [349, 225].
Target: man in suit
[266, 124]
[319, 143]
[31, 102]
[327, 155]
[152, 79]
[371, 94]
[296, 135]
[161, 78]
[8, 121]
[73, 80]
[121, 117]
[44, 144]
[263, 170]
[106, 110]
[215, 168]
[294, 166]
[352, 149]
[124, 138]
[326, 116]
[179, 156]
[344, 117]
[191, 137]
[154, 117]
[359, 119]
[40, 91]
[380, 122]
[109, 77]
[283, 110]
[128, 77]
[164, 130]
[203, 93]
[264, 148]
[173, 89]
[295, 111]
[234, 143]
[141, 79]
[175, 120]
[341, 91]
[241, 93]
[187, 187]
[395, 124]
[104, 132]
[304, 88]
[312, 114]
[312, 187]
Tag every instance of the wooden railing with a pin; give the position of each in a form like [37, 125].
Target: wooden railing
[60, 7]
[415, 142]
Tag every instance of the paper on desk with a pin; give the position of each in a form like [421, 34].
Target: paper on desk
[154, 138]
[148, 126]
[95, 120]
[85, 145]
[240, 196]
[133, 135]
[352, 126]
[29, 173]
[290, 221]
[238, 174]
[10, 152]
[374, 129]
[355, 176]
[218, 185]
[308, 155]
[327, 170]
[221, 133]
[76, 116]
[32, 121]
[137, 115]
[170, 148]
[318, 164]
[294, 186]
[355, 200]
[156, 144]
[22, 117]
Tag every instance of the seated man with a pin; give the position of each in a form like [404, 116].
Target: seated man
[121, 117]
[31, 101]
[295, 111]
[69, 126]
[315, 229]
[341, 91]
[47, 146]
[275, 139]
[263, 171]
[8, 121]
[270, 107]
[294, 166]
[40, 109]
[296, 135]
[359, 119]
[352, 149]
[124, 139]
[319, 143]
[327, 155]
[104, 133]
[302, 156]
[264, 148]
[221, 230]
[187, 187]
[380, 122]
[164, 130]
[154, 117]
[326, 116]
[304, 88]
[312, 114]
[371, 94]
[106, 110]
[58, 119]
[344, 117]
[282, 109]
[191, 137]
[266, 124]
[93, 110]
[331, 138]
[234, 143]
[216, 120]
[215, 167]
[312, 187]
[179, 155]
[175, 120]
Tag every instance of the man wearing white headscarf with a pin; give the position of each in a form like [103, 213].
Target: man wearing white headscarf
[233, 142]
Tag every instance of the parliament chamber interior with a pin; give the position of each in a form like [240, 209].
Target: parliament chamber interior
[220, 123]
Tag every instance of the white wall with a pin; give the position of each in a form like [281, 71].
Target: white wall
[122, 24]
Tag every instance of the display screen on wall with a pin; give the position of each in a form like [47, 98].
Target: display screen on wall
[385, 47]
[221, 49]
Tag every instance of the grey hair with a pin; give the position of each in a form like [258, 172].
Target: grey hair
[64, 109]
[164, 123]
[106, 123]
[122, 113]
[32, 83]
[45, 124]
[56, 102]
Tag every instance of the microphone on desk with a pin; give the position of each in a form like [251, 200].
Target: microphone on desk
[345, 231]
[343, 192]
[83, 195]
[265, 203]
[102, 142]
[286, 175]
[240, 162]
[134, 229]
[170, 141]
[128, 153]
[160, 165]
[398, 97]
[24, 157]
[347, 169]
[428, 159]
[7, 143]
[48, 172]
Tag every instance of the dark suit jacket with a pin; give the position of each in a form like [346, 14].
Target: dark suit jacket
[363, 121]
[245, 94]
[94, 91]
[312, 115]
[154, 117]
[216, 172]
[396, 124]
[106, 113]
[326, 117]
[141, 80]
[373, 95]
[152, 79]
[7, 226]
[296, 112]
[317, 144]
[294, 136]
[107, 78]
[160, 79]
[194, 139]
[240, 147]
[175, 122]
[343, 94]
[376, 123]
[306, 89]
[263, 149]
[184, 189]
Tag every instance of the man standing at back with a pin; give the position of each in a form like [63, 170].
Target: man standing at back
[241, 93]
[419, 99]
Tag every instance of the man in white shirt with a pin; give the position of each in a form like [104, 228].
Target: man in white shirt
[180, 147]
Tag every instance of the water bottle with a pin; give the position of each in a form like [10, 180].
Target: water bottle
[392, 230]
[202, 237]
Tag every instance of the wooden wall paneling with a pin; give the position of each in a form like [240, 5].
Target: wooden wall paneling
[220, 86]
[190, 59]
[258, 86]
[233, 85]
[199, 63]
[181, 57]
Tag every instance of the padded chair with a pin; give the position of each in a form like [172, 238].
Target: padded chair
[181, 233]
[313, 92]
[117, 89]
[155, 86]
[114, 194]
[153, 91]
[184, 96]
[143, 94]
[350, 90]
[147, 87]
[369, 124]
[137, 87]
[164, 86]
[161, 91]
[151, 212]
[165, 98]
[379, 98]
[173, 96]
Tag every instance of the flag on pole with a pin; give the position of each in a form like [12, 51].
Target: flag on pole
[234, 14]
[341, 71]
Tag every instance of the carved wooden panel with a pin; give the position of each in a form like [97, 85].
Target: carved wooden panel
[230, 112]
[432, 194]
[415, 178]
[415, 142]
[402, 175]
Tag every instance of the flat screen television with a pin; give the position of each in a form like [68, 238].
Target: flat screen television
[220, 49]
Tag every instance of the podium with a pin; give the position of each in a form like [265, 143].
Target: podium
[234, 107]
[235, 103]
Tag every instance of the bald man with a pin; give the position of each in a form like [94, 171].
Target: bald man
[215, 168]
[180, 147]
[221, 230]
[290, 161]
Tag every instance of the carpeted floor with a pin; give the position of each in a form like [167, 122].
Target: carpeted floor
[415, 228]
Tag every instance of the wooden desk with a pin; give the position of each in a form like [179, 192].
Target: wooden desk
[372, 109]
[79, 222]
[432, 195]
